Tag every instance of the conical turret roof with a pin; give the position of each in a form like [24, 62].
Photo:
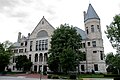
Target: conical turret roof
[91, 14]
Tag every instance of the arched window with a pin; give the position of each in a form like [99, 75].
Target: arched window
[45, 57]
[40, 57]
[92, 28]
[42, 33]
[36, 57]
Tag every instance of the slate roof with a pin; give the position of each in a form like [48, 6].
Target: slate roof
[91, 14]
[81, 32]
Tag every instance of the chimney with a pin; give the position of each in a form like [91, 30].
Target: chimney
[19, 37]
[28, 35]
[84, 14]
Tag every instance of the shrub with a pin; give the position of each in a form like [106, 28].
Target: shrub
[73, 76]
[55, 77]
[117, 78]
[49, 76]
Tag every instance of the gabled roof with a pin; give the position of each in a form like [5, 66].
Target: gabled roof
[43, 19]
[91, 14]
[81, 32]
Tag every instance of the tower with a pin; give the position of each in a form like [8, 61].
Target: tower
[94, 43]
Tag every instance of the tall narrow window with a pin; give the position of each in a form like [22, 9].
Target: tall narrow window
[25, 43]
[87, 30]
[82, 68]
[46, 44]
[96, 67]
[94, 43]
[30, 57]
[101, 55]
[88, 43]
[92, 28]
[36, 57]
[98, 27]
[43, 44]
[40, 45]
[31, 42]
[36, 45]
[83, 45]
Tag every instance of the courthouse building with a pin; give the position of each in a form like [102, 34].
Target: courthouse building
[36, 45]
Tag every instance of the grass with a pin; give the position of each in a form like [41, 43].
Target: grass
[91, 76]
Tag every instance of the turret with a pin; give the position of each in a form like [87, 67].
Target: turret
[92, 23]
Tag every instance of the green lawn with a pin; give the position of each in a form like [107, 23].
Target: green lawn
[91, 76]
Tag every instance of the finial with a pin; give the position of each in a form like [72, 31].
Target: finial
[89, 1]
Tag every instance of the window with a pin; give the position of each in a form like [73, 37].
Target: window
[35, 68]
[16, 51]
[21, 44]
[98, 27]
[31, 42]
[96, 67]
[25, 50]
[84, 56]
[25, 43]
[101, 55]
[46, 44]
[20, 50]
[88, 43]
[40, 45]
[87, 30]
[36, 57]
[43, 44]
[82, 68]
[13, 59]
[83, 45]
[36, 45]
[30, 57]
[42, 22]
[94, 51]
[94, 43]
[92, 28]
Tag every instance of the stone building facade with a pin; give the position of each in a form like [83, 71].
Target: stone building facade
[36, 45]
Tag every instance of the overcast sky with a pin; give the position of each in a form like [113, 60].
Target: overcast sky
[23, 15]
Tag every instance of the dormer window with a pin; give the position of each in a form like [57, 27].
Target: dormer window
[92, 28]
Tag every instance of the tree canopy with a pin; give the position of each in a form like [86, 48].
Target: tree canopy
[23, 63]
[113, 32]
[5, 54]
[113, 62]
[64, 52]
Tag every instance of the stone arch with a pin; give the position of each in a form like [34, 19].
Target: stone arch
[45, 57]
[40, 57]
[36, 57]
[42, 33]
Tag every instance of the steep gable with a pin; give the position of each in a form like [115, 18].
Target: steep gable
[42, 25]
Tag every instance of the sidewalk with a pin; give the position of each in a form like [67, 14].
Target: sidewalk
[28, 75]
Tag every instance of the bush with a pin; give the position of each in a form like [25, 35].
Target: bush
[49, 76]
[55, 77]
[118, 78]
[111, 75]
[73, 76]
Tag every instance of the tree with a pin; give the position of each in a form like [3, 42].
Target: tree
[64, 52]
[113, 32]
[113, 62]
[23, 63]
[5, 54]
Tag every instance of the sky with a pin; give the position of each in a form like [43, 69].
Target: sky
[23, 15]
